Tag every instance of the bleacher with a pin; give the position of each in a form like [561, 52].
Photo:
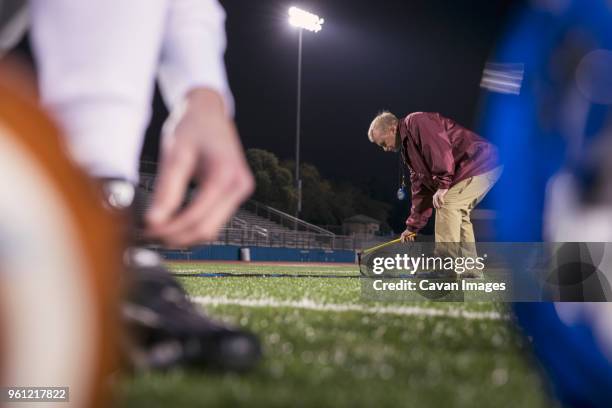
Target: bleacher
[256, 224]
[260, 225]
[252, 219]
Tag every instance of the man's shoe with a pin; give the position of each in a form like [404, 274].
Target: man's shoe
[165, 329]
[162, 326]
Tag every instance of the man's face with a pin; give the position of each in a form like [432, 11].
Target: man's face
[386, 139]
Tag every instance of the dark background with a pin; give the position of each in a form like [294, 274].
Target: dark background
[402, 56]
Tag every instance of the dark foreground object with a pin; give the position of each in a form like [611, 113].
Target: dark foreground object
[165, 329]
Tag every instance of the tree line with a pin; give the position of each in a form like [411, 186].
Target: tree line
[324, 202]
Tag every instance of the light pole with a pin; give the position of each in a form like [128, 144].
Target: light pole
[303, 20]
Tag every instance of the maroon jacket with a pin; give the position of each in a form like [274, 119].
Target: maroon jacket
[439, 153]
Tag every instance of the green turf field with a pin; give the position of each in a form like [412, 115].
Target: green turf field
[324, 346]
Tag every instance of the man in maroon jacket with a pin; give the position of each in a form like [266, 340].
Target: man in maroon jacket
[451, 170]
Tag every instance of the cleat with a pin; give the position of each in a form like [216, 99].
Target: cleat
[163, 328]
[166, 329]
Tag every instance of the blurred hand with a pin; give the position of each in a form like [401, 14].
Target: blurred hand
[408, 236]
[438, 198]
[199, 142]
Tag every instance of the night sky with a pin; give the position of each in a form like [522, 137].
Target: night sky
[403, 56]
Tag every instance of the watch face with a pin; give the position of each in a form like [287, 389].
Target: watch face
[119, 194]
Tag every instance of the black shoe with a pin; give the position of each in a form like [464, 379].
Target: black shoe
[165, 329]
[162, 327]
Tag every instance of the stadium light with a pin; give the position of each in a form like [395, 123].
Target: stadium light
[303, 20]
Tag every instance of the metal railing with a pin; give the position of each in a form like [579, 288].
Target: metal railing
[237, 222]
[287, 239]
[284, 219]
[301, 234]
[261, 231]
[147, 180]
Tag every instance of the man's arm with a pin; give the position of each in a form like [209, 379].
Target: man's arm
[192, 52]
[435, 147]
[199, 140]
[96, 63]
[421, 208]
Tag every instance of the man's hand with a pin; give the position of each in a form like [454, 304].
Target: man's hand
[199, 142]
[438, 198]
[408, 236]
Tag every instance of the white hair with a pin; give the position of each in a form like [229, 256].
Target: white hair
[383, 121]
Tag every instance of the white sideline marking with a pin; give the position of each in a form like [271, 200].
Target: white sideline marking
[310, 304]
[315, 274]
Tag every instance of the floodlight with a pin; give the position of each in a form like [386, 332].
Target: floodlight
[303, 19]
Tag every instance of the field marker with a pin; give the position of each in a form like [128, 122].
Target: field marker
[236, 272]
[309, 304]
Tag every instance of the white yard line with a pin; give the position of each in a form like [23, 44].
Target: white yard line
[269, 272]
[309, 304]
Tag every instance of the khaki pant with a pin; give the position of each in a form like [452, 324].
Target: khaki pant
[453, 224]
